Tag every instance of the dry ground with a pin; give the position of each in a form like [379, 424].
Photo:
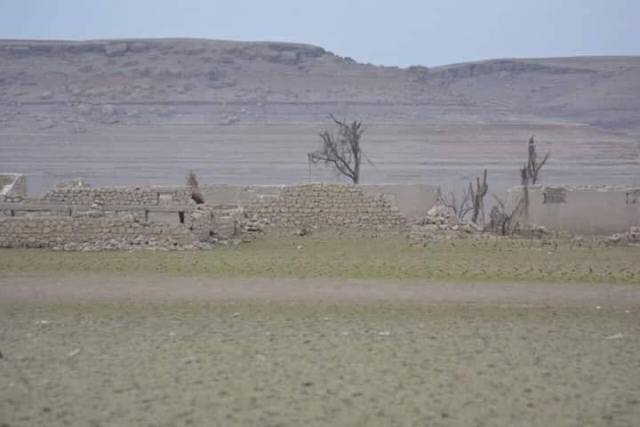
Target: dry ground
[157, 339]
[354, 257]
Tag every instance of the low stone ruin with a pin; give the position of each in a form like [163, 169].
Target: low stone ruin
[325, 205]
[75, 216]
[90, 232]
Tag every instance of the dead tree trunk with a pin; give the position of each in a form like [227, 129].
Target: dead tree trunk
[530, 174]
[531, 171]
[477, 197]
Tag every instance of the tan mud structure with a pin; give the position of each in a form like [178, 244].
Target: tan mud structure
[580, 210]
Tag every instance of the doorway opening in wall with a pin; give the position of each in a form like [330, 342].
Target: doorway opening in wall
[181, 217]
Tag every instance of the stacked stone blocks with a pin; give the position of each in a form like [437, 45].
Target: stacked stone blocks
[102, 232]
[119, 196]
[327, 206]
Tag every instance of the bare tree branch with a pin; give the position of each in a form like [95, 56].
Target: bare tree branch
[501, 219]
[477, 197]
[342, 152]
[460, 207]
[530, 173]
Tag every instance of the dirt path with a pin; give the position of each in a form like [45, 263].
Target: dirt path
[78, 288]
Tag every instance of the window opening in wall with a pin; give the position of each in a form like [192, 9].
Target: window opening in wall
[633, 197]
[554, 195]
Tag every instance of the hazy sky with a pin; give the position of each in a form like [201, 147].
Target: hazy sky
[400, 32]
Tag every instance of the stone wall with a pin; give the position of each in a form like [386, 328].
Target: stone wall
[119, 196]
[90, 232]
[412, 200]
[581, 210]
[327, 205]
[77, 218]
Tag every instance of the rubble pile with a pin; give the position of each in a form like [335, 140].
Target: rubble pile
[251, 226]
[631, 237]
[440, 223]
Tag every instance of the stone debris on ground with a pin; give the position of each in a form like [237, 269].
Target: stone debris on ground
[441, 223]
[74, 183]
[631, 237]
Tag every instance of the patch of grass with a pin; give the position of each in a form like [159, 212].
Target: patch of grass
[349, 257]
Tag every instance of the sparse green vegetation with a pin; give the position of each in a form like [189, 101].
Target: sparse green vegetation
[359, 258]
[260, 363]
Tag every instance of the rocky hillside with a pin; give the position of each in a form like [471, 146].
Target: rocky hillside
[105, 81]
[62, 102]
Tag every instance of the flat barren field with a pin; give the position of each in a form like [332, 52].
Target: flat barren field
[349, 363]
[352, 257]
[323, 331]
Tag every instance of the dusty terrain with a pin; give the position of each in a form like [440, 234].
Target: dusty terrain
[349, 257]
[314, 330]
[80, 354]
[146, 111]
[323, 331]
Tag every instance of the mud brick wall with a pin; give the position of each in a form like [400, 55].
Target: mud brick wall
[107, 232]
[327, 206]
[581, 210]
[119, 196]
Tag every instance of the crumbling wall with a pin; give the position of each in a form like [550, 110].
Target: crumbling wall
[580, 210]
[327, 205]
[5, 180]
[90, 232]
[240, 195]
[411, 200]
[119, 196]
[13, 187]
[79, 218]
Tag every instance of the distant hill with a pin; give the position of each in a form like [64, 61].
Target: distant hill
[127, 87]
[600, 91]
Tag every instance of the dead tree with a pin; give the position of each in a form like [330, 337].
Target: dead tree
[477, 197]
[194, 187]
[460, 206]
[530, 172]
[342, 151]
[501, 219]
